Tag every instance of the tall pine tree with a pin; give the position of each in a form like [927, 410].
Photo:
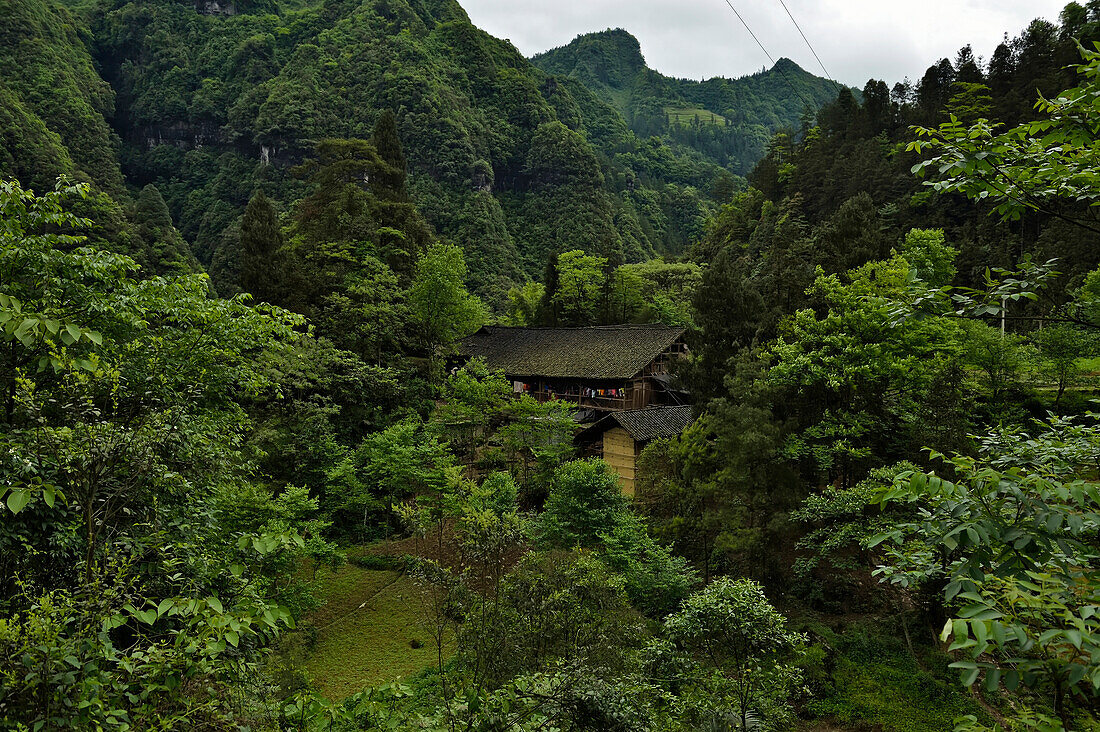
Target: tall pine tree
[261, 251]
[388, 145]
[547, 312]
[164, 251]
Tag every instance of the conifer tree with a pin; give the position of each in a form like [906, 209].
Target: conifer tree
[165, 251]
[150, 211]
[547, 313]
[388, 145]
[261, 245]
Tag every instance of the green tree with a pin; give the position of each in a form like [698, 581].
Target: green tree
[1033, 166]
[1009, 541]
[731, 627]
[472, 402]
[930, 257]
[586, 508]
[388, 145]
[441, 307]
[523, 303]
[261, 245]
[561, 606]
[1060, 347]
[401, 463]
[580, 279]
[851, 375]
[535, 438]
[1001, 358]
[165, 250]
[123, 428]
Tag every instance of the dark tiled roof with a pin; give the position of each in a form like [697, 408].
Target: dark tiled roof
[599, 352]
[647, 424]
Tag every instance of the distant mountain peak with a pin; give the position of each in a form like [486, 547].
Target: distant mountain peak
[785, 64]
[609, 57]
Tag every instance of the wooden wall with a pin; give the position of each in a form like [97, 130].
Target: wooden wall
[619, 453]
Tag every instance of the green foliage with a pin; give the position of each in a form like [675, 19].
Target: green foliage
[535, 439]
[720, 492]
[175, 464]
[931, 259]
[1027, 167]
[582, 289]
[841, 522]
[55, 104]
[560, 606]
[354, 209]
[856, 374]
[523, 303]
[1010, 540]
[585, 500]
[386, 141]
[586, 508]
[1060, 347]
[725, 121]
[1000, 358]
[122, 428]
[261, 257]
[121, 661]
[441, 307]
[731, 627]
[576, 298]
[473, 398]
[488, 426]
[657, 580]
[866, 674]
[164, 250]
[509, 162]
[388, 467]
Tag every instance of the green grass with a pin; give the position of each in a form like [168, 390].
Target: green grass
[365, 630]
[1089, 365]
[873, 681]
[686, 115]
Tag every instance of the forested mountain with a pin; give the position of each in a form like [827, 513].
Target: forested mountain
[55, 108]
[729, 121]
[209, 101]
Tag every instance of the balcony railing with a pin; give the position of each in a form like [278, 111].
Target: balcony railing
[597, 402]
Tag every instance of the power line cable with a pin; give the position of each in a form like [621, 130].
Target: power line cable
[782, 70]
[809, 45]
[750, 32]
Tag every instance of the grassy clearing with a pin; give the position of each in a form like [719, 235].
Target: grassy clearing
[365, 631]
[864, 678]
[1089, 366]
[686, 115]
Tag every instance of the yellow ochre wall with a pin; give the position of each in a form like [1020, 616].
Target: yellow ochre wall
[618, 452]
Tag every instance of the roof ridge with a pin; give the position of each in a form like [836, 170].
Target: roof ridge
[657, 406]
[622, 326]
[594, 352]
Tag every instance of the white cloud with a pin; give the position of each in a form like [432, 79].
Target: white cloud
[856, 39]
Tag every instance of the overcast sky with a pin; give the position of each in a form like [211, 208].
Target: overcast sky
[856, 39]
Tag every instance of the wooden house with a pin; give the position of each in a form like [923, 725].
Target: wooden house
[619, 437]
[600, 368]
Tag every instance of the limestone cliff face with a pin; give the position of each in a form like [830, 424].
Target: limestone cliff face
[216, 7]
[184, 135]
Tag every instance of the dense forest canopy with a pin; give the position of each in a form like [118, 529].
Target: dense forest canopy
[728, 121]
[512, 163]
[249, 482]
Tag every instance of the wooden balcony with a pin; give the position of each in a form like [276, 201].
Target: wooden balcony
[608, 404]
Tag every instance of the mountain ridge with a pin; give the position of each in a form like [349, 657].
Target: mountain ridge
[209, 102]
[752, 107]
